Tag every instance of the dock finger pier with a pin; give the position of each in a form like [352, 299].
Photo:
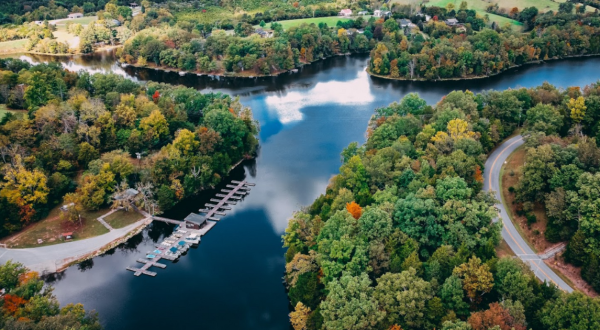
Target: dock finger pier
[190, 230]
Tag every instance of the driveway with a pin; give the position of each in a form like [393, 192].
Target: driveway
[509, 232]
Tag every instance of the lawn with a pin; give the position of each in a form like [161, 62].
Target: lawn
[13, 46]
[331, 21]
[122, 218]
[83, 21]
[49, 230]
[4, 110]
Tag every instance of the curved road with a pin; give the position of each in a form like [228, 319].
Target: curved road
[509, 232]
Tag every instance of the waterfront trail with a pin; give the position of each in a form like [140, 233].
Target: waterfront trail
[49, 259]
[493, 167]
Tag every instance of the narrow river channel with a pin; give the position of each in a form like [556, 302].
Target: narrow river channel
[233, 279]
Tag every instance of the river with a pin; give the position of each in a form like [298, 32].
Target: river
[233, 279]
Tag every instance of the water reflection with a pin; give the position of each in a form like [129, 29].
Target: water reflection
[233, 279]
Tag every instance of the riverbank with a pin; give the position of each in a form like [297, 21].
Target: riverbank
[224, 74]
[486, 76]
[22, 51]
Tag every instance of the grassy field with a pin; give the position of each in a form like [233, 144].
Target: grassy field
[331, 21]
[122, 218]
[4, 110]
[49, 229]
[83, 21]
[13, 46]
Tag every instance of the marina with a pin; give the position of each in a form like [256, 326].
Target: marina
[190, 230]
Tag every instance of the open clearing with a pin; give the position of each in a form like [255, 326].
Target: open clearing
[13, 46]
[534, 234]
[330, 21]
[49, 229]
[123, 218]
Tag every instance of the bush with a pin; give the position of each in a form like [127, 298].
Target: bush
[511, 189]
[531, 219]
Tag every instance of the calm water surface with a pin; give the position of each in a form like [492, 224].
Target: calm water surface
[233, 279]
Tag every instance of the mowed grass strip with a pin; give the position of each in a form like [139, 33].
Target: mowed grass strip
[13, 46]
[123, 218]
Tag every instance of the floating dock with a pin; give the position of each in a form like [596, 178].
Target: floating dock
[190, 230]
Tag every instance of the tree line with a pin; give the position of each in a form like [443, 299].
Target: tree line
[403, 238]
[188, 50]
[561, 173]
[453, 52]
[81, 136]
[28, 304]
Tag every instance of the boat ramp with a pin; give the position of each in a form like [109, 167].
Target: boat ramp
[190, 230]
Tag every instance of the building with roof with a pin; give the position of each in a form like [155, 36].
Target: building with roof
[194, 221]
[346, 12]
[75, 15]
[451, 21]
[382, 13]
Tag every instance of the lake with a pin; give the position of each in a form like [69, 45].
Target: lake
[233, 280]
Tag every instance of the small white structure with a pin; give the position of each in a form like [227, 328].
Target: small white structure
[451, 21]
[363, 13]
[382, 13]
[346, 12]
[75, 15]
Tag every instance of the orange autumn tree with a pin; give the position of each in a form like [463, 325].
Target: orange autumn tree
[354, 209]
[478, 174]
[12, 304]
[395, 327]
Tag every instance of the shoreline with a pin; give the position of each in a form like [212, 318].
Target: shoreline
[229, 75]
[51, 265]
[22, 51]
[481, 77]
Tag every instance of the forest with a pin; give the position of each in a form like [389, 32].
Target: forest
[29, 304]
[245, 52]
[403, 237]
[84, 138]
[458, 52]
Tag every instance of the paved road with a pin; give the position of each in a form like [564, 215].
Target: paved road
[46, 258]
[509, 232]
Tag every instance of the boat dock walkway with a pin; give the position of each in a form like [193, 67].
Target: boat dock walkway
[190, 230]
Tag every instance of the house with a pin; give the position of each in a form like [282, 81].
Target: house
[362, 13]
[459, 28]
[264, 33]
[114, 23]
[403, 22]
[194, 221]
[425, 16]
[133, 5]
[382, 13]
[346, 12]
[451, 21]
[75, 15]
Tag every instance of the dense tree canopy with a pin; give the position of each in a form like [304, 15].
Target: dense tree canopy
[420, 253]
[97, 124]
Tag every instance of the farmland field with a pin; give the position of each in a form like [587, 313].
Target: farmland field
[331, 21]
[12, 46]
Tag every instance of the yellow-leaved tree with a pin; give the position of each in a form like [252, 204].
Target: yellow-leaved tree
[24, 188]
[477, 278]
[299, 316]
[577, 108]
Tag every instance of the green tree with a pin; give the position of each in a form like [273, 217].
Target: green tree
[350, 304]
[403, 297]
